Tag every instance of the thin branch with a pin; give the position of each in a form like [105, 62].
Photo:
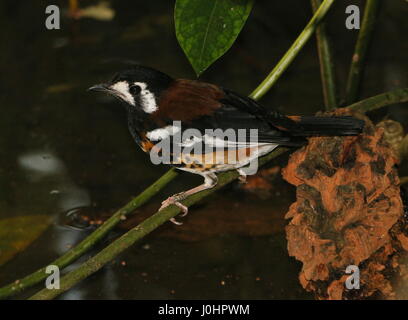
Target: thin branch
[403, 148]
[129, 238]
[293, 51]
[327, 70]
[403, 180]
[381, 100]
[360, 51]
[73, 254]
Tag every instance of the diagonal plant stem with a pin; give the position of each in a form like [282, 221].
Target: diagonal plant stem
[381, 100]
[125, 241]
[86, 244]
[327, 70]
[360, 51]
[293, 51]
[128, 239]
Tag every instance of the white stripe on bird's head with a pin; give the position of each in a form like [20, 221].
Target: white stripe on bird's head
[147, 98]
[144, 97]
[121, 89]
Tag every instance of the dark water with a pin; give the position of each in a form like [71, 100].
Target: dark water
[62, 147]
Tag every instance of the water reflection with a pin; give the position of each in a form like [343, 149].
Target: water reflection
[46, 168]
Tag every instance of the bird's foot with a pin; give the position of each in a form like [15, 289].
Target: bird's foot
[242, 176]
[175, 200]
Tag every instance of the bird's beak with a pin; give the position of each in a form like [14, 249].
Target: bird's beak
[100, 87]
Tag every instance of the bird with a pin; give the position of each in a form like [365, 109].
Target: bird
[205, 129]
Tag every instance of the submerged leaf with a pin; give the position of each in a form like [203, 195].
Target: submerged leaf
[206, 29]
[17, 233]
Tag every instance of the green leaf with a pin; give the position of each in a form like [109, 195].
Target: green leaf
[18, 233]
[206, 29]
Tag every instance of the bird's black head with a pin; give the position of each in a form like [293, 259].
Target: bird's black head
[138, 87]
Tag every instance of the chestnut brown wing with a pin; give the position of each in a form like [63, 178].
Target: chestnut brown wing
[188, 100]
[204, 106]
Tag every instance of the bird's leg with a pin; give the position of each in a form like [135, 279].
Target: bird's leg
[242, 175]
[210, 180]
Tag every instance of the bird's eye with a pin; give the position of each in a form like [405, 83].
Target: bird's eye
[135, 89]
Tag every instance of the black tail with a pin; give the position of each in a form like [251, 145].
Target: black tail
[329, 126]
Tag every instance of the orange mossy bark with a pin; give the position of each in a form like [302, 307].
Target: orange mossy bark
[348, 212]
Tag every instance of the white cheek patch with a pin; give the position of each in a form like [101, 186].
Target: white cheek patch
[147, 98]
[121, 88]
[162, 133]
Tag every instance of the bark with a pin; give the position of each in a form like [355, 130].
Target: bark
[348, 212]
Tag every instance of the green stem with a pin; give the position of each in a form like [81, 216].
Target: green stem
[327, 70]
[129, 238]
[381, 100]
[360, 51]
[293, 51]
[86, 244]
[403, 149]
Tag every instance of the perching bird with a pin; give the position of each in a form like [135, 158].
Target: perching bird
[197, 126]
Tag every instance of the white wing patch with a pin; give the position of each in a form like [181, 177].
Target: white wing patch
[147, 98]
[190, 142]
[216, 142]
[122, 90]
[162, 133]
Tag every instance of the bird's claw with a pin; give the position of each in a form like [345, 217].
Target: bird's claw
[173, 200]
[173, 220]
[242, 176]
